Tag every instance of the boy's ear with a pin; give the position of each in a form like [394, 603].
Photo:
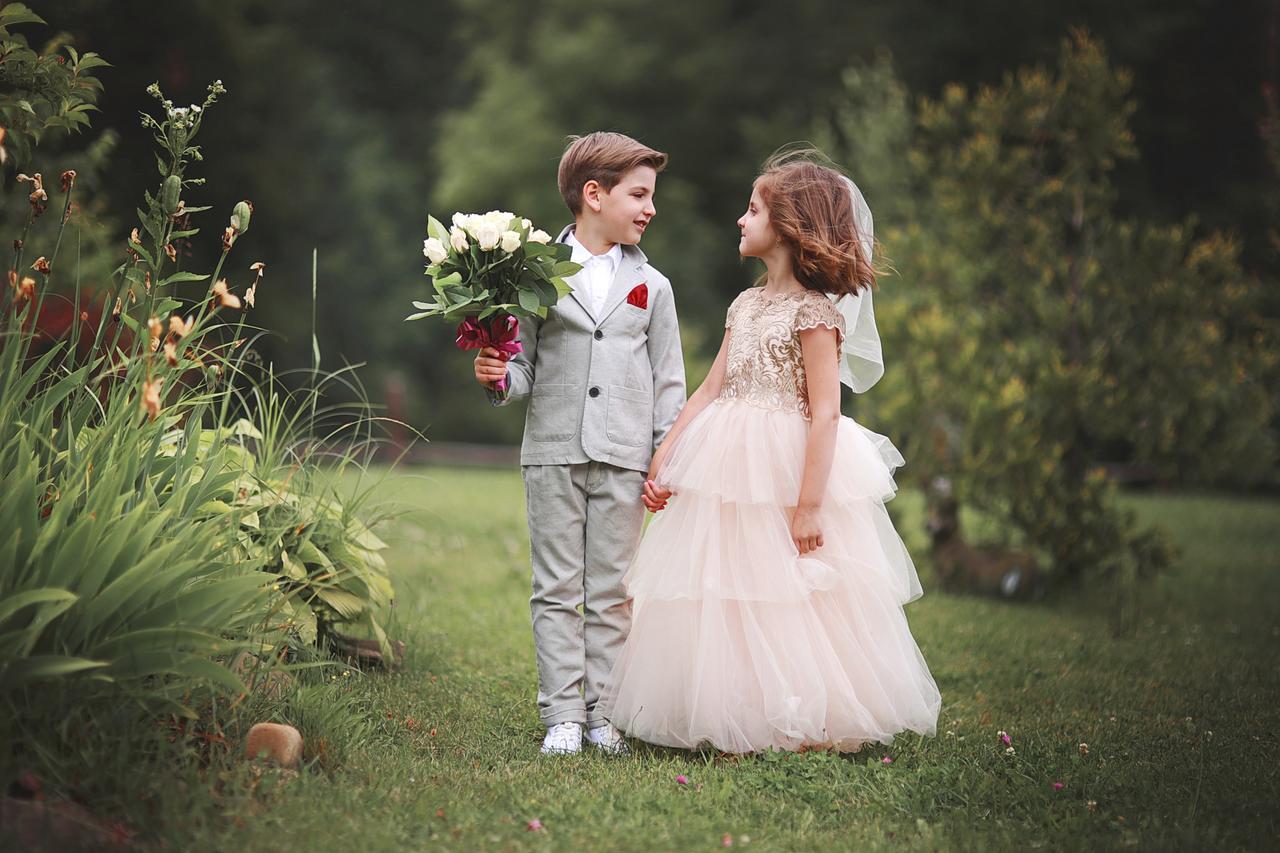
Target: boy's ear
[591, 192]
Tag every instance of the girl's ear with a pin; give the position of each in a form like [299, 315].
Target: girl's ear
[591, 194]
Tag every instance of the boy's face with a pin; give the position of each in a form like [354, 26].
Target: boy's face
[625, 210]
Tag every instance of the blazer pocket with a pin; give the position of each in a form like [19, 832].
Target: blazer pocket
[553, 413]
[630, 417]
[631, 319]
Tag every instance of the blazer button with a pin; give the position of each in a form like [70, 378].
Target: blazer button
[594, 392]
[599, 334]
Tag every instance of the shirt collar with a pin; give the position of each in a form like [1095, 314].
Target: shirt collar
[581, 254]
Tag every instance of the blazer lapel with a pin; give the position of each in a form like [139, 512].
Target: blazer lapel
[579, 285]
[630, 273]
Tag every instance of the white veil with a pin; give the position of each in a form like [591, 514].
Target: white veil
[861, 360]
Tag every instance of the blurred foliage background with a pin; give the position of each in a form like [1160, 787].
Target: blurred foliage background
[347, 124]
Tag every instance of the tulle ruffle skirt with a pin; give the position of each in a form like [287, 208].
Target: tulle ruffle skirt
[738, 641]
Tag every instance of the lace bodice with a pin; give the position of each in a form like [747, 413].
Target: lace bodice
[765, 366]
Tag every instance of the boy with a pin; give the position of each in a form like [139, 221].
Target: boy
[605, 377]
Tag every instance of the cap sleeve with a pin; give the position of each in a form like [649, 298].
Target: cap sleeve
[733, 309]
[818, 310]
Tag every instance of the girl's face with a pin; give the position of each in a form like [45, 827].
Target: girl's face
[758, 236]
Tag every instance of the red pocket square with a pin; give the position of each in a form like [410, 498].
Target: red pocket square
[639, 296]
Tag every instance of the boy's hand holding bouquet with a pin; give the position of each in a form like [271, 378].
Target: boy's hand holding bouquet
[488, 271]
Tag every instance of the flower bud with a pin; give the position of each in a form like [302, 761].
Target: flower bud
[170, 192]
[434, 250]
[240, 216]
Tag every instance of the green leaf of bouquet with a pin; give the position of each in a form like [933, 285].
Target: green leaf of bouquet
[565, 268]
[562, 287]
[547, 293]
[437, 230]
[451, 278]
[529, 300]
[538, 250]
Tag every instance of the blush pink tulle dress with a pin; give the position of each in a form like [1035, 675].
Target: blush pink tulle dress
[737, 641]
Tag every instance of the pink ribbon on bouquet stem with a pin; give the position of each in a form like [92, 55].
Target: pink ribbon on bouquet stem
[500, 331]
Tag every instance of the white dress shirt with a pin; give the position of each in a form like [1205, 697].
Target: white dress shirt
[597, 271]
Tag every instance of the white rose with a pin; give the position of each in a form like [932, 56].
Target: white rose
[458, 239]
[488, 235]
[434, 250]
[539, 236]
[510, 241]
[526, 224]
[459, 220]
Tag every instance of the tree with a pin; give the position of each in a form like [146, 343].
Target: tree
[1036, 332]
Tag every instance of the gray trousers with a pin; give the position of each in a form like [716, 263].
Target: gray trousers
[584, 527]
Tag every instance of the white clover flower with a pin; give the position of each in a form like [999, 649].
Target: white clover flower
[458, 239]
[510, 241]
[434, 250]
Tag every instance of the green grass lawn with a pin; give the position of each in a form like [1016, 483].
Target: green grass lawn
[1180, 717]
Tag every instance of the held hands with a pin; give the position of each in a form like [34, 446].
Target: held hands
[805, 530]
[491, 366]
[655, 496]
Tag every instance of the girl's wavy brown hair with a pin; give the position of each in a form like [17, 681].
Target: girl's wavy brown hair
[811, 212]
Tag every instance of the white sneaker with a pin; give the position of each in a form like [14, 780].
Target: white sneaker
[608, 739]
[562, 739]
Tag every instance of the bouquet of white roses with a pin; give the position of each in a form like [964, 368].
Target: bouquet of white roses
[488, 271]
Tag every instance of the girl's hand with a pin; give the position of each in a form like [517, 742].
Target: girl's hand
[805, 530]
[491, 367]
[655, 496]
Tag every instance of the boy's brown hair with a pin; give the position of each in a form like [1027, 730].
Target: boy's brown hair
[603, 157]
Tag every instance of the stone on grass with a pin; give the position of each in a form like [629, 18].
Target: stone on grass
[276, 742]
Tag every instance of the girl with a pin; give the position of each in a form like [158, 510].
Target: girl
[768, 599]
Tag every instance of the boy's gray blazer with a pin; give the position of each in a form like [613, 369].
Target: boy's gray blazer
[607, 388]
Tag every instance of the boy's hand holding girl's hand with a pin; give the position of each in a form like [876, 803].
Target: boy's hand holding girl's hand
[655, 496]
[491, 366]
